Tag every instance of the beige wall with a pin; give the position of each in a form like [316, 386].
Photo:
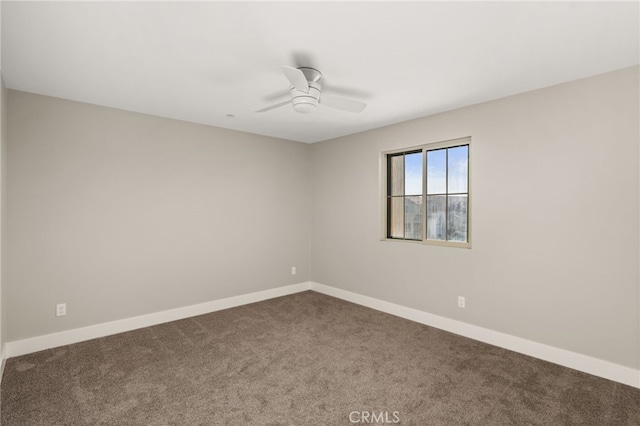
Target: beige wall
[3, 216]
[120, 214]
[3, 110]
[555, 181]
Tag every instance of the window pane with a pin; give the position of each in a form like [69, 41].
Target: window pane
[436, 171]
[436, 220]
[413, 218]
[396, 222]
[458, 166]
[397, 175]
[457, 217]
[413, 174]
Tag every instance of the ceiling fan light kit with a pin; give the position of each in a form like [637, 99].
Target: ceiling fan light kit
[306, 102]
[306, 91]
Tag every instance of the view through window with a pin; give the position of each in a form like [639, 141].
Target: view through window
[427, 193]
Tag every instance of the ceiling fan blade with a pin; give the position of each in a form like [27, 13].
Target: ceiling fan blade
[296, 78]
[274, 96]
[343, 104]
[274, 106]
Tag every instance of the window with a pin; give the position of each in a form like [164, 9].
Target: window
[427, 194]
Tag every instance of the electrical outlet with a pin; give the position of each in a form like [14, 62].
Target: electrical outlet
[61, 309]
[461, 302]
[293, 270]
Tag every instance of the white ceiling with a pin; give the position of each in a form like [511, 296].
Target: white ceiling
[201, 61]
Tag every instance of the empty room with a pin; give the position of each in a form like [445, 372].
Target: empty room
[319, 213]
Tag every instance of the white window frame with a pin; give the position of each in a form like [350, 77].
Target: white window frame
[383, 193]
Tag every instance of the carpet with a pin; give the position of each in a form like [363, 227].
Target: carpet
[302, 359]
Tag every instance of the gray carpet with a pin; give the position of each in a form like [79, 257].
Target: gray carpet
[303, 359]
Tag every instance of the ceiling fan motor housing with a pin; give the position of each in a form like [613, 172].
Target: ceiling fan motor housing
[305, 93]
[306, 102]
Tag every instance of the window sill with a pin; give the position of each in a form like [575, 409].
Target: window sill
[430, 243]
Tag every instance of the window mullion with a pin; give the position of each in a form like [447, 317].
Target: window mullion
[424, 195]
[446, 194]
[389, 211]
[404, 196]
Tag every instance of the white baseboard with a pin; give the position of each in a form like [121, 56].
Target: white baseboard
[39, 343]
[576, 361]
[3, 361]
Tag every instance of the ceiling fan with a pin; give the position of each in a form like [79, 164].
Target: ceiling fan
[306, 94]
